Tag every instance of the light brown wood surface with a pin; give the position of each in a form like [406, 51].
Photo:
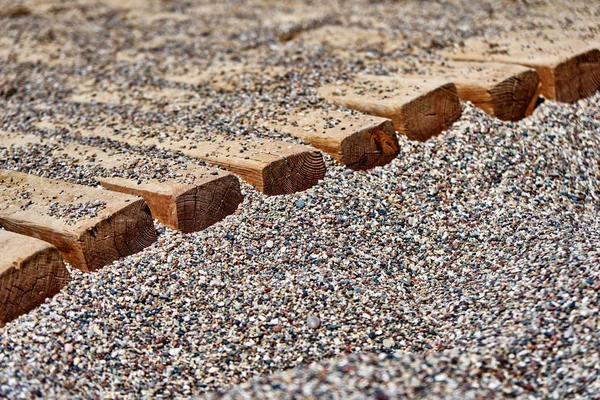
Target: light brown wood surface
[356, 140]
[350, 41]
[506, 91]
[419, 108]
[569, 67]
[31, 271]
[190, 198]
[271, 166]
[31, 205]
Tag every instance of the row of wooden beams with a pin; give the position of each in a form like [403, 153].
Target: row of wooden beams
[273, 167]
[418, 108]
[190, 199]
[568, 64]
[90, 227]
[569, 68]
[31, 271]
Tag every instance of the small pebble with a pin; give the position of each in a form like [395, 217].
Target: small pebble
[313, 322]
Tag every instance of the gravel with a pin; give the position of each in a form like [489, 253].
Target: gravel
[70, 213]
[467, 267]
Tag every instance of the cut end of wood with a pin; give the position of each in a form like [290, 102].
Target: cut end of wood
[574, 79]
[121, 226]
[357, 140]
[127, 231]
[294, 173]
[418, 108]
[205, 205]
[512, 98]
[429, 114]
[372, 147]
[31, 271]
[188, 207]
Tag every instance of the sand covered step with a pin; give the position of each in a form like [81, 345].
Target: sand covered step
[356, 140]
[569, 67]
[227, 76]
[31, 271]
[271, 166]
[183, 196]
[508, 92]
[419, 108]
[90, 227]
[351, 41]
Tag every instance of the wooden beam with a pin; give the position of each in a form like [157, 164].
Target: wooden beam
[569, 68]
[30, 272]
[90, 227]
[350, 41]
[227, 76]
[186, 207]
[271, 166]
[508, 92]
[418, 108]
[358, 141]
[190, 199]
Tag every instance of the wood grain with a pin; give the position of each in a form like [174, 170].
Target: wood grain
[569, 68]
[122, 226]
[419, 108]
[358, 141]
[30, 272]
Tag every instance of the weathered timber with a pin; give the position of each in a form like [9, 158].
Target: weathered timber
[348, 41]
[189, 199]
[569, 68]
[418, 108]
[508, 92]
[505, 91]
[31, 271]
[90, 227]
[356, 140]
[271, 166]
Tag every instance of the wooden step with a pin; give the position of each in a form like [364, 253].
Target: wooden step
[227, 76]
[90, 227]
[569, 68]
[350, 41]
[31, 271]
[418, 108]
[506, 91]
[271, 166]
[358, 141]
[189, 199]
